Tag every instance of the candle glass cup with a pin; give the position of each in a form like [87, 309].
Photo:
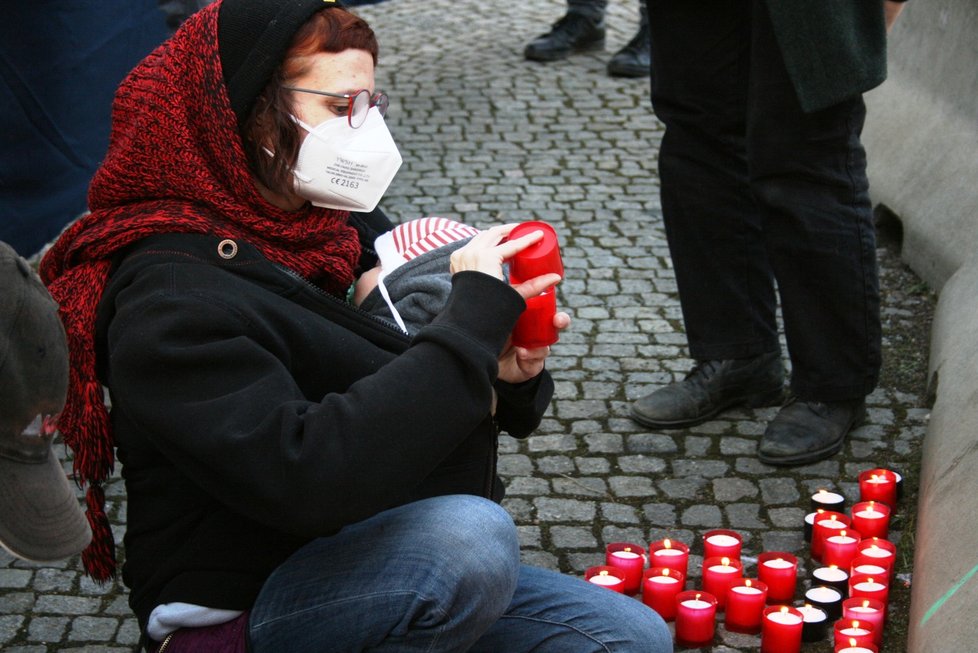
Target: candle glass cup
[871, 519]
[825, 598]
[719, 574]
[722, 543]
[670, 553]
[878, 485]
[816, 622]
[828, 500]
[869, 587]
[607, 577]
[746, 600]
[853, 631]
[695, 618]
[866, 610]
[826, 523]
[630, 559]
[781, 628]
[779, 571]
[660, 587]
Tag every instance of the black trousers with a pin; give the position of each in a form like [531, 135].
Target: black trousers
[762, 201]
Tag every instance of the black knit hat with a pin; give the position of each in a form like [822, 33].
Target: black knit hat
[253, 36]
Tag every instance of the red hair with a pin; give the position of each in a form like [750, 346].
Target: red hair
[269, 124]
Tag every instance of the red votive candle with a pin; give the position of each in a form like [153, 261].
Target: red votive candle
[745, 606]
[878, 485]
[869, 587]
[871, 519]
[816, 623]
[779, 571]
[781, 629]
[880, 550]
[695, 618]
[671, 554]
[867, 611]
[828, 500]
[660, 587]
[630, 559]
[826, 524]
[722, 543]
[852, 647]
[719, 574]
[605, 576]
[840, 549]
[535, 327]
[849, 631]
[866, 565]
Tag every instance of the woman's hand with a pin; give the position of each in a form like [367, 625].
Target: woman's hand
[518, 364]
[489, 248]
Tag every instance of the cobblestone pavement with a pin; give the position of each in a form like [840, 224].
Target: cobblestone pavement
[488, 137]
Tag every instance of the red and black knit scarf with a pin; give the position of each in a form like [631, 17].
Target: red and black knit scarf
[175, 164]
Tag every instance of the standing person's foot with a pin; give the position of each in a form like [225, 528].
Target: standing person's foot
[572, 33]
[712, 387]
[808, 431]
[635, 59]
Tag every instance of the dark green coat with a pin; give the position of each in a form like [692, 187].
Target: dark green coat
[833, 49]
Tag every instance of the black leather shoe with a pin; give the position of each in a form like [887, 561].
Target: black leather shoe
[635, 59]
[712, 387]
[572, 33]
[808, 431]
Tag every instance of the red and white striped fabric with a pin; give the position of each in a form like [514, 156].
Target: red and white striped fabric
[416, 237]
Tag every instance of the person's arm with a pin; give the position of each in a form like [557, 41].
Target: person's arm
[892, 9]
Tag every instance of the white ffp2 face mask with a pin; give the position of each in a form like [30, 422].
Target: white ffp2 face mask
[339, 167]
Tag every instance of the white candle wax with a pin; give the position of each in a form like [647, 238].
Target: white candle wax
[824, 496]
[832, 523]
[667, 552]
[786, 618]
[873, 570]
[863, 608]
[853, 632]
[722, 540]
[664, 580]
[876, 552]
[870, 514]
[604, 579]
[779, 563]
[723, 569]
[830, 574]
[812, 614]
[867, 586]
[823, 594]
[743, 589]
[696, 604]
[628, 555]
[855, 649]
[842, 539]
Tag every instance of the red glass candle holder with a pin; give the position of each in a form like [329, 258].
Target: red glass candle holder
[630, 559]
[840, 549]
[869, 587]
[695, 618]
[855, 648]
[669, 553]
[826, 523]
[535, 326]
[871, 519]
[660, 587]
[746, 600]
[722, 543]
[878, 485]
[848, 632]
[781, 629]
[779, 571]
[605, 576]
[719, 574]
[866, 565]
[866, 610]
[883, 551]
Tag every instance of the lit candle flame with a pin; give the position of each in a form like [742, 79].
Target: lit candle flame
[842, 533]
[666, 543]
[747, 583]
[628, 549]
[698, 595]
[855, 623]
[665, 572]
[603, 572]
[852, 642]
[865, 603]
[784, 609]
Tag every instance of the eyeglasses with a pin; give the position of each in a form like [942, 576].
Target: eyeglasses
[359, 103]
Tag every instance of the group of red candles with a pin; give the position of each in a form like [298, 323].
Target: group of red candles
[850, 588]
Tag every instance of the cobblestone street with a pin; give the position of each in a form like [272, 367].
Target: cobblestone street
[488, 137]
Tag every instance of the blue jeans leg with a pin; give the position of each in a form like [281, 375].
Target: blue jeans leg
[428, 576]
[556, 613]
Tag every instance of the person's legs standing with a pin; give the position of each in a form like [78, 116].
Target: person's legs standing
[556, 613]
[700, 55]
[431, 575]
[635, 59]
[808, 173]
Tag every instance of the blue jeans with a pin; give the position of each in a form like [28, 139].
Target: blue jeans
[441, 574]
